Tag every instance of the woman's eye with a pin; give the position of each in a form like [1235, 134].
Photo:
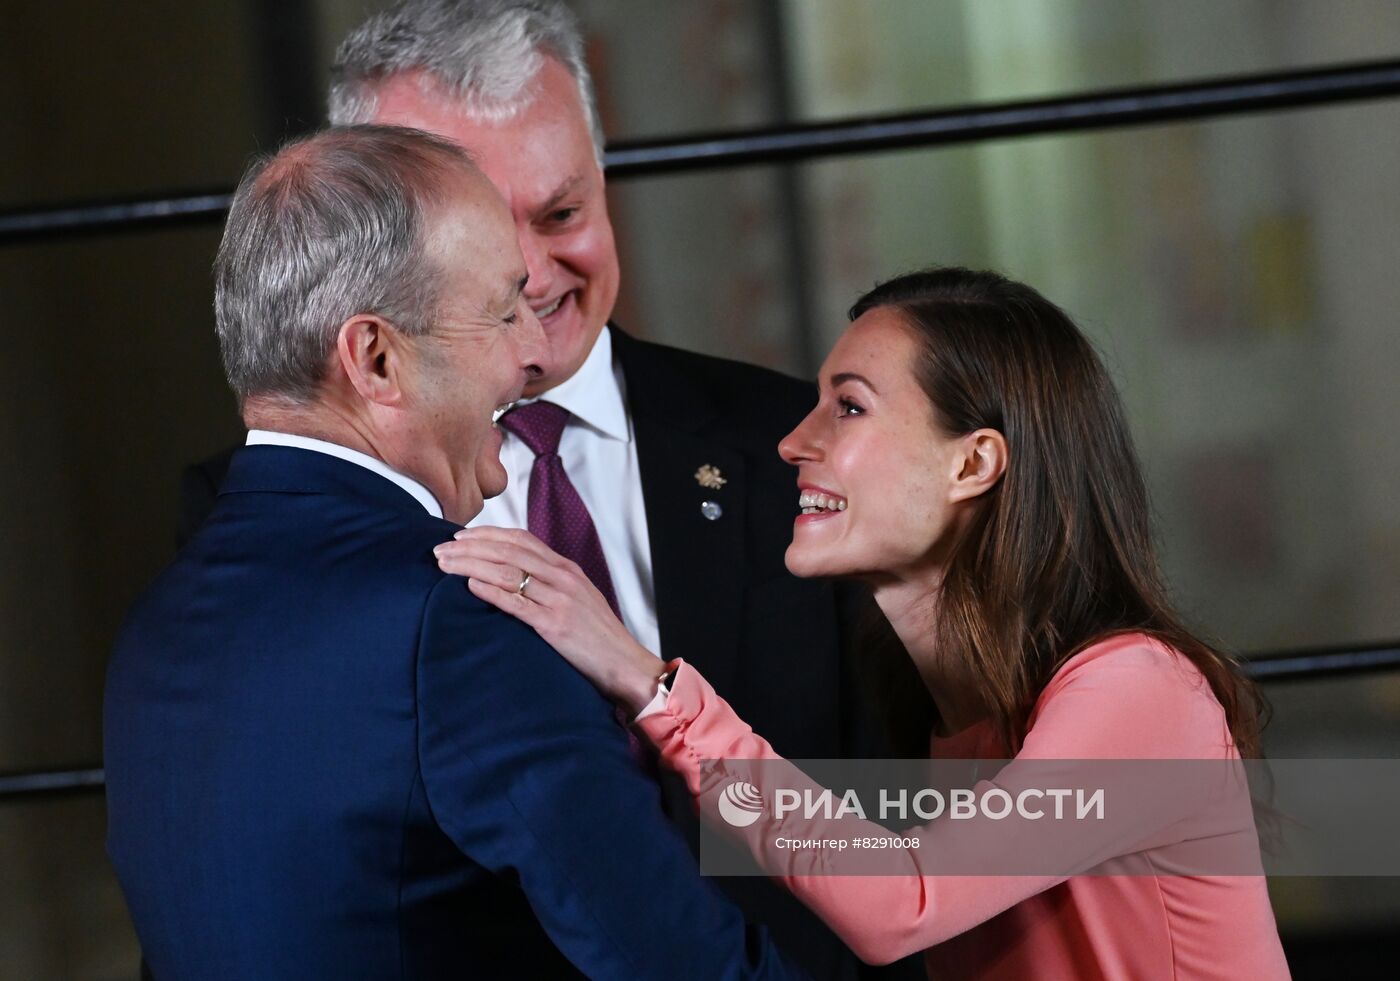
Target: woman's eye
[848, 407]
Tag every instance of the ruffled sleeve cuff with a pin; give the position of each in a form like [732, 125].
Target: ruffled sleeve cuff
[696, 725]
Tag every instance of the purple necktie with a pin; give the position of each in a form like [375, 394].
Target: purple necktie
[557, 516]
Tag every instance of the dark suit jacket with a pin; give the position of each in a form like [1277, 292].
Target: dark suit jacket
[775, 646]
[326, 759]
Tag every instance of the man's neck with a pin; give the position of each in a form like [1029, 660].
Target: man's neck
[313, 421]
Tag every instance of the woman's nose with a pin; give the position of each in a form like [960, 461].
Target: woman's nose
[800, 444]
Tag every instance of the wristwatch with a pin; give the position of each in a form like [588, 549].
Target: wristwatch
[667, 678]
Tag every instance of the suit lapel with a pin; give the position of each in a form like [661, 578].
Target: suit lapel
[697, 561]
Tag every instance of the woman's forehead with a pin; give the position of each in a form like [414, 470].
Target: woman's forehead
[878, 344]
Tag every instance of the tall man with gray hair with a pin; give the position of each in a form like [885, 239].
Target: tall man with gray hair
[325, 758]
[655, 469]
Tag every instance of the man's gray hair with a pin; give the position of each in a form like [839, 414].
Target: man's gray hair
[333, 225]
[483, 53]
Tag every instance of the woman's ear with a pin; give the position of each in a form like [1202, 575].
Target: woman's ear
[370, 352]
[981, 460]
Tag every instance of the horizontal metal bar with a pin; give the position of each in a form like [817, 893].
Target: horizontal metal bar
[1121, 107]
[47, 783]
[1198, 99]
[1289, 666]
[112, 216]
[1306, 665]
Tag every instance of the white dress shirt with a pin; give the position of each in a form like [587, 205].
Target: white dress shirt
[600, 457]
[264, 437]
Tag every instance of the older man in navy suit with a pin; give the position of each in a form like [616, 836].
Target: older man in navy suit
[326, 759]
[682, 508]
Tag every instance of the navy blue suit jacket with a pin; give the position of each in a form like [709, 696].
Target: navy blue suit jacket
[326, 759]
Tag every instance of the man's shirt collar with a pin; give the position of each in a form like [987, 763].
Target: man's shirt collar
[264, 437]
[593, 395]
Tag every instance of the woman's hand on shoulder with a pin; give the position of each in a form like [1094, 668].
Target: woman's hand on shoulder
[559, 602]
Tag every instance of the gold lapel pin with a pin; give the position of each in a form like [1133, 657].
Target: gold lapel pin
[709, 476]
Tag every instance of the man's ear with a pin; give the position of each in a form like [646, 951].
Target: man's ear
[371, 353]
[979, 462]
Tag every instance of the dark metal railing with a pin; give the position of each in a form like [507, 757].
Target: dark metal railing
[1200, 99]
[50, 783]
[1326, 662]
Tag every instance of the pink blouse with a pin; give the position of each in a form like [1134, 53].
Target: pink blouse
[1126, 698]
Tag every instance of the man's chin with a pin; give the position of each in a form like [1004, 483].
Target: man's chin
[489, 491]
[492, 480]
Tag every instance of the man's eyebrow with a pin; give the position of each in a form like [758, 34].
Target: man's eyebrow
[848, 376]
[563, 191]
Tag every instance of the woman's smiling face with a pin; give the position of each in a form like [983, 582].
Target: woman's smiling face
[878, 477]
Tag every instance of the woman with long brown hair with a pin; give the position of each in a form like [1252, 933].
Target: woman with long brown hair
[969, 459]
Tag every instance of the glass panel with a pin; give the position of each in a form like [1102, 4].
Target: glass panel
[916, 54]
[671, 68]
[61, 911]
[706, 264]
[100, 100]
[1341, 718]
[114, 387]
[1355, 717]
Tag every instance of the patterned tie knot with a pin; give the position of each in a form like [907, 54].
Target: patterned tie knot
[539, 425]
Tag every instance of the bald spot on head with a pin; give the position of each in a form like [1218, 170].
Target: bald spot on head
[335, 224]
[339, 156]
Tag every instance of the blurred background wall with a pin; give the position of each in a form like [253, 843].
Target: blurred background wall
[1238, 275]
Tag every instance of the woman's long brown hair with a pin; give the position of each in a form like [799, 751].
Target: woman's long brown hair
[1060, 552]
